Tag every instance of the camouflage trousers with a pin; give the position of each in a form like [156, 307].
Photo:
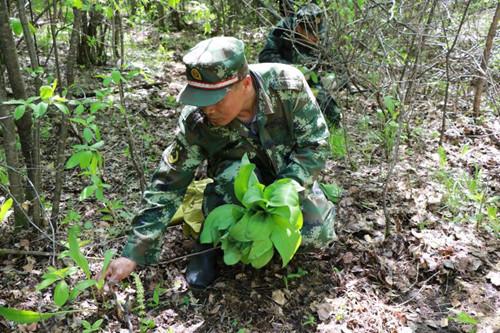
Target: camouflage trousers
[318, 212]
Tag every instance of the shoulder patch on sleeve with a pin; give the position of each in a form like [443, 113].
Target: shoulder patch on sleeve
[288, 77]
[288, 84]
[171, 155]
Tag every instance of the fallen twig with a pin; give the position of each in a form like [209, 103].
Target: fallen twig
[189, 255]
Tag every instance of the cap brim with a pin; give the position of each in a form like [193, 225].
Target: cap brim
[201, 97]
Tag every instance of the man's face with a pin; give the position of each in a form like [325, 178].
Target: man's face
[227, 109]
[310, 36]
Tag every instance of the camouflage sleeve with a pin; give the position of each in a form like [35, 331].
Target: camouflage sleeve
[161, 199]
[271, 51]
[311, 139]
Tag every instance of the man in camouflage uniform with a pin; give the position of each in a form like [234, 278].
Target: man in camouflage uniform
[295, 40]
[266, 111]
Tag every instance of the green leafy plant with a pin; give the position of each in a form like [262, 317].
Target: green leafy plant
[388, 117]
[63, 292]
[292, 276]
[466, 319]
[466, 193]
[26, 316]
[4, 209]
[145, 322]
[338, 142]
[269, 218]
[89, 328]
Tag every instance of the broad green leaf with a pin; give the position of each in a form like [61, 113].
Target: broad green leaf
[79, 121]
[245, 178]
[46, 92]
[116, 76]
[97, 324]
[263, 259]
[173, 3]
[5, 208]
[94, 107]
[314, 77]
[79, 5]
[219, 219]
[245, 251]
[23, 316]
[98, 145]
[282, 192]
[74, 251]
[79, 109]
[81, 158]
[156, 294]
[232, 256]
[62, 107]
[47, 282]
[19, 112]
[61, 293]
[108, 255]
[286, 241]
[85, 284]
[16, 26]
[254, 195]
[239, 230]
[88, 135]
[40, 109]
[390, 103]
[332, 191]
[465, 318]
[259, 226]
[60, 273]
[259, 248]
[81, 286]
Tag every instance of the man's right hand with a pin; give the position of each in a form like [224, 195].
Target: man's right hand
[119, 269]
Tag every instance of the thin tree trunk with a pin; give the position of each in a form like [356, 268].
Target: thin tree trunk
[52, 15]
[115, 39]
[30, 43]
[404, 111]
[130, 137]
[13, 171]
[448, 54]
[63, 133]
[24, 125]
[484, 62]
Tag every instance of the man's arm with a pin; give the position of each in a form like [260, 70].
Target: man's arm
[161, 200]
[274, 44]
[310, 133]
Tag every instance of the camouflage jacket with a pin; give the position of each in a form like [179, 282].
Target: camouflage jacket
[290, 141]
[283, 46]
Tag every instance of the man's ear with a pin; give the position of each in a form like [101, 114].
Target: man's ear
[247, 81]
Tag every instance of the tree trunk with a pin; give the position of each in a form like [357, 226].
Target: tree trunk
[115, 39]
[89, 50]
[30, 43]
[63, 132]
[13, 171]
[24, 125]
[480, 83]
[138, 165]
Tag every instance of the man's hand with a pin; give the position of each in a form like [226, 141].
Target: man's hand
[119, 269]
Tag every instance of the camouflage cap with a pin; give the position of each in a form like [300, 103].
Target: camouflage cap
[212, 66]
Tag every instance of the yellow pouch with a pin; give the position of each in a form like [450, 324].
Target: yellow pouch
[190, 212]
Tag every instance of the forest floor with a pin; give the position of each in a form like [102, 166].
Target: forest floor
[437, 272]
